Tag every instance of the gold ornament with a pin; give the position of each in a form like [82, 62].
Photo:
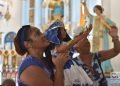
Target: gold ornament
[7, 14]
[13, 54]
[5, 58]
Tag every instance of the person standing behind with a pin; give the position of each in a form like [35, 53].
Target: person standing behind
[74, 75]
[8, 82]
[91, 62]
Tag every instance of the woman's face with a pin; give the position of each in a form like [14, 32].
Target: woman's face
[63, 33]
[97, 11]
[38, 40]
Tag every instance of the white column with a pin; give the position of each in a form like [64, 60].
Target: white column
[46, 15]
[75, 15]
[66, 9]
[78, 3]
[25, 12]
[38, 13]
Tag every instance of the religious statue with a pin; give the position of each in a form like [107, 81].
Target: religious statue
[57, 9]
[101, 26]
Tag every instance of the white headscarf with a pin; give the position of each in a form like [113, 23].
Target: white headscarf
[75, 75]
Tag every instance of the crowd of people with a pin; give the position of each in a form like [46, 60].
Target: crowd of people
[57, 67]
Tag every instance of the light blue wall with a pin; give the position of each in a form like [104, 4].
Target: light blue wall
[75, 11]
[46, 15]
[74, 15]
[66, 12]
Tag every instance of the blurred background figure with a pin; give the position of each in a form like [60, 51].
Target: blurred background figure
[101, 39]
[8, 82]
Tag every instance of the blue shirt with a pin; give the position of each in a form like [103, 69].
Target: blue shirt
[28, 61]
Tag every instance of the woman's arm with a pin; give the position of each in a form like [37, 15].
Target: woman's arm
[59, 62]
[87, 13]
[105, 55]
[35, 76]
[59, 77]
[69, 45]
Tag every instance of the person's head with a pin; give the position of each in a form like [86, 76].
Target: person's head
[83, 46]
[56, 33]
[98, 9]
[8, 82]
[29, 39]
[62, 34]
